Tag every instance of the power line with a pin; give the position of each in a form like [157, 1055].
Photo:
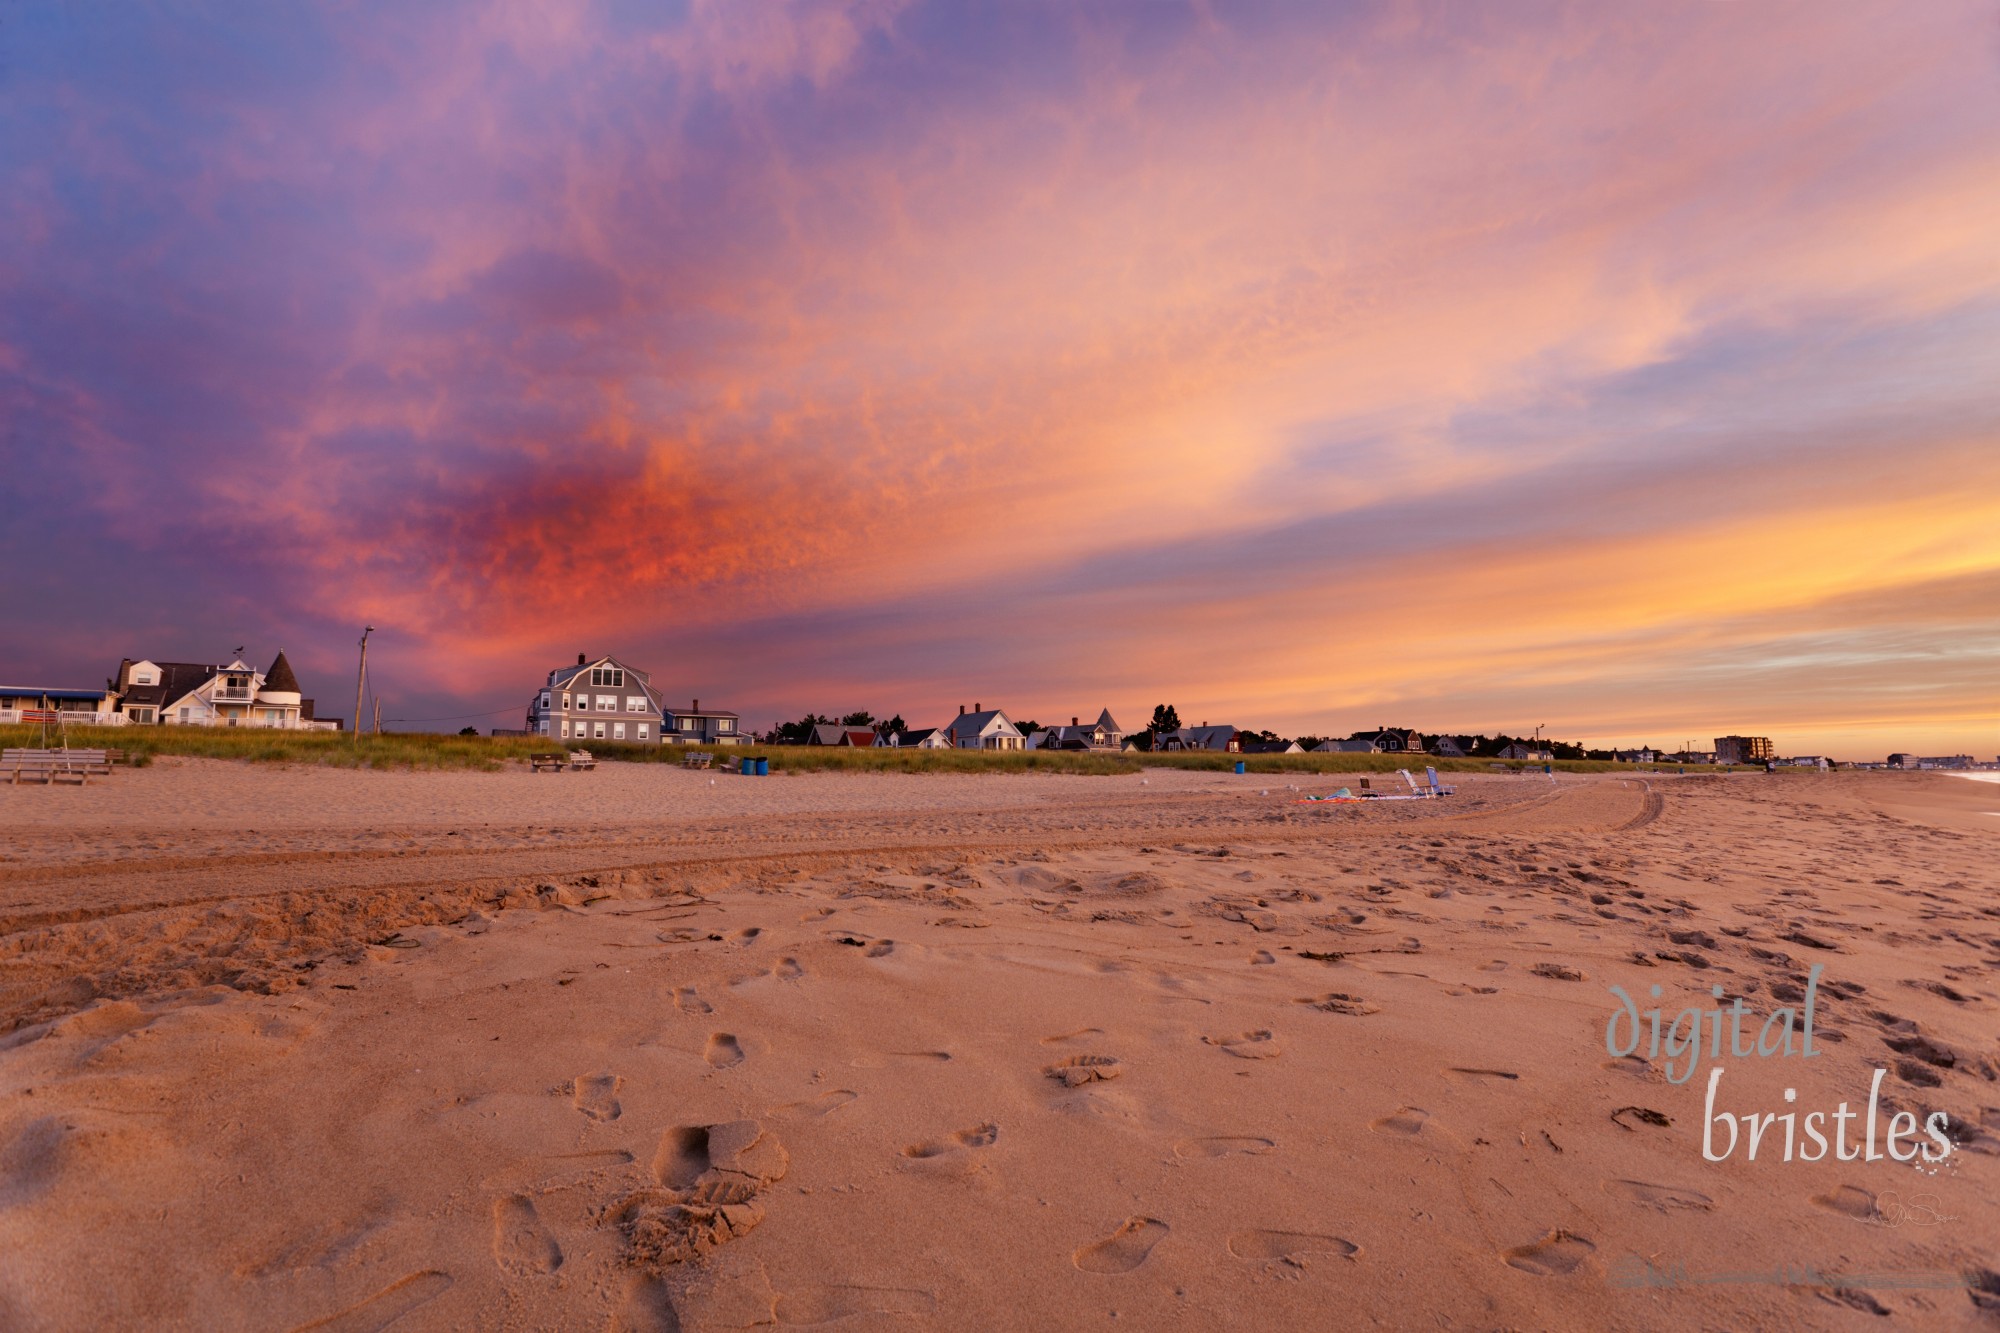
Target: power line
[462, 717]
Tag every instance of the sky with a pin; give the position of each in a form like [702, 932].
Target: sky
[1629, 370]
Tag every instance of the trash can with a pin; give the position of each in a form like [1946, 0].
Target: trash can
[763, 768]
[1239, 765]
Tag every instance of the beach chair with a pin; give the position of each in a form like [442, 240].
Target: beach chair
[553, 762]
[1437, 788]
[581, 759]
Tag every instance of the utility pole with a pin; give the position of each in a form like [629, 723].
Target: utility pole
[361, 679]
[378, 715]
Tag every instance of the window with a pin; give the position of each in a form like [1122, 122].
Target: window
[544, 728]
[690, 724]
[545, 698]
[635, 703]
[642, 731]
[143, 678]
[142, 715]
[617, 731]
[607, 703]
[184, 714]
[600, 731]
[565, 729]
[725, 724]
[610, 677]
[565, 699]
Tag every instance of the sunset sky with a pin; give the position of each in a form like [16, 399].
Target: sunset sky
[1629, 369]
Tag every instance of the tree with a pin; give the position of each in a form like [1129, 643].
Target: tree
[468, 731]
[858, 720]
[895, 726]
[1027, 728]
[1311, 742]
[1165, 718]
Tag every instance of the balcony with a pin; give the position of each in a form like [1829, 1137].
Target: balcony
[231, 694]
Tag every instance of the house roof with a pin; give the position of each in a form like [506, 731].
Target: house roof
[280, 678]
[700, 712]
[177, 681]
[1108, 722]
[971, 724]
[563, 675]
[859, 737]
[827, 733]
[43, 692]
[919, 736]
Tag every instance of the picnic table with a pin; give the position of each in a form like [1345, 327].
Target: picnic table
[553, 762]
[581, 759]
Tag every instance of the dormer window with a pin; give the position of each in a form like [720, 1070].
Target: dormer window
[610, 677]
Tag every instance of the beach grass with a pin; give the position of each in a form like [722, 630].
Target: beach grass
[433, 750]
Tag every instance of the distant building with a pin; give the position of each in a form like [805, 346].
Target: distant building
[1642, 755]
[1743, 749]
[922, 738]
[1104, 734]
[695, 725]
[601, 699]
[1453, 747]
[1344, 747]
[78, 708]
[1398, 742]
[1901, 760]
[1534, 754]
[984, 729]
[1271, 747]
[1224, 739]
[1947, 761]
[192, 694]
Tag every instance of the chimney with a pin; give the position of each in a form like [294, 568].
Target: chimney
[1073, 722]
[696, 708]
[978, 707]
[580, 659]
[961, 710]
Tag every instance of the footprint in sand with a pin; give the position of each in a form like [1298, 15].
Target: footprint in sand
[1222, 1145]
[1339, 1002]
[1663, 1198]
[1081, 1069]
[816, 1107]
[596, 1095]
[723, 1050]
[1262, 957]
[788, 969]
[1553, 1255]
[1079, 1035]
[1124, 1249]
[1406, 1123]
[522, 1245]
[1258, 1045]
[824, 1305]
[747, 935]
[385, 1307]
[689, 1001]
[1288, 1245]
[1482, 1075]
[1849, 1200]
[955, 1154]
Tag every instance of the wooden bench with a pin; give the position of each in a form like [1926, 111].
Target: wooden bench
[48, 766]
[697, 759]
[581, 759]
[553, 762]
[88, 762]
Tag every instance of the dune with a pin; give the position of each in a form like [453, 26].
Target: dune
[647, 1049]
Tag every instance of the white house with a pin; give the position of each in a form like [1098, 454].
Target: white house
[984, 729]
[923, 738]
[191, 694]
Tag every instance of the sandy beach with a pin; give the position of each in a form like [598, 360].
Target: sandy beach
[301, 1048]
